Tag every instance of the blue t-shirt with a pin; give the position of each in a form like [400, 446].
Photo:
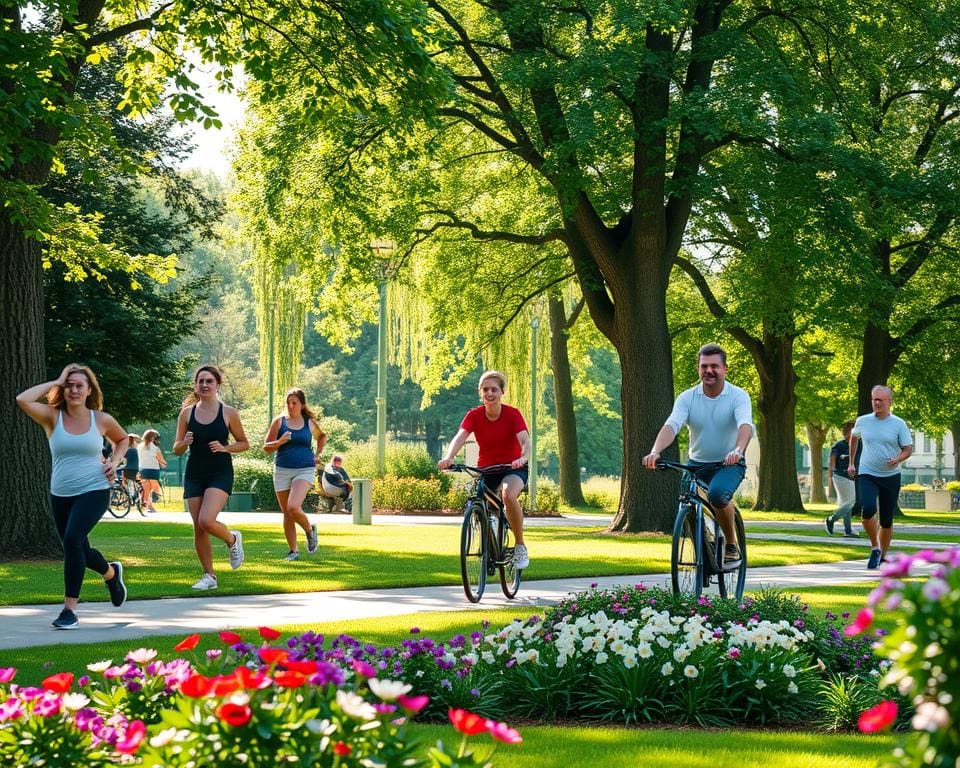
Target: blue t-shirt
[882, 440]
[297, 453]
[841, 457]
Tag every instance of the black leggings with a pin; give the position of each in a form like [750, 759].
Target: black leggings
[75, 517]
[879, 492]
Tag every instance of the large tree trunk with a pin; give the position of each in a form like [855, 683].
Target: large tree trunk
[816, 434]
[25, 520]
[876, 366]
[647, 499]
[568, 449]
[778, 487]
[955, 432]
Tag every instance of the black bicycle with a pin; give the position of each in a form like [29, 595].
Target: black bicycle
[698, 541]
[487, 542]
[125, 494]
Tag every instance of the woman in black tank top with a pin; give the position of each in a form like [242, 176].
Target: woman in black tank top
[204, 427]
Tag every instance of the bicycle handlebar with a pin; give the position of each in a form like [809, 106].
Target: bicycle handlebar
[676, 465]
[479, 470]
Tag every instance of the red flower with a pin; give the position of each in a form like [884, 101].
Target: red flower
[223, 685]
[879, 717]
[234, 714]
[196, 686]
[863, 620]
[413, 703]
[272, 655]
[467, 722]
[503, 732]
[268, 634]
[251, 680]
[286, 678]
[342, 749]
[58, 683]
[188, 643]
[305, 667]
[230, 638]
[132, 738]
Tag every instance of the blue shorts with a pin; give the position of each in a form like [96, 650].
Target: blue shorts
[722, 482]
[150, 474]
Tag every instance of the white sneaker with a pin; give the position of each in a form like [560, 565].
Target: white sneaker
[521, 559]
[206, 582]
[291, 555]
[236, 550]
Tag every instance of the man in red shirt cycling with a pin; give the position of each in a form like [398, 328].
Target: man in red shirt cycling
[502, 436]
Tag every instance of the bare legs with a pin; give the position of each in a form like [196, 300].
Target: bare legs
[510, 491]
[880, 538]
[204, 511]
[291, 503]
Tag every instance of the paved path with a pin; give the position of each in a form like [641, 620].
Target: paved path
[29, 625]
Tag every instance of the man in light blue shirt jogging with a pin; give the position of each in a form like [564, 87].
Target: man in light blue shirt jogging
[720, 419]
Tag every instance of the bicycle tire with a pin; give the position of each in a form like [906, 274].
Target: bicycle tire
[119, 501]
[509, 573]
[732, 583]
[473, 551]
[686, 556]
[135, 491]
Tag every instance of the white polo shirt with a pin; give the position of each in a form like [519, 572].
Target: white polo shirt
[713, 421]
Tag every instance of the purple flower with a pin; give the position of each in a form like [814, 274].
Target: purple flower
[641, 587]
[593, 585]
[83, 681]
[457, 641]
[510, 663]
[798, 624]
[474, 691]
[414, 630]
[87, 719]
[134, 687]
[446, 684]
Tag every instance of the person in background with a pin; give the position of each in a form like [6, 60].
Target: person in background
[336, 484]
[502, 436]
[76, 424]
[131, 461]
[204, 427]
[887, 443]
[845, 487]
[151, 462]
[291, 438]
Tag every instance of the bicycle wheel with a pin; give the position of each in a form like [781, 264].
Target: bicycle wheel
[135, 491]
[473, 551]
[686, 561]
[731, 583]
[509, 573]
[119, 501]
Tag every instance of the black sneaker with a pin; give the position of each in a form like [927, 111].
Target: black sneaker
[874, 560]
[731, 556]
[116, 587]
[828, 524]
[66, 620]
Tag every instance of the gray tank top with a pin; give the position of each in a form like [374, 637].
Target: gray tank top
[76, 460]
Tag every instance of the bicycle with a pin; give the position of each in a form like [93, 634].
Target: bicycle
[698, 541]
[487, 542]
[125, 494]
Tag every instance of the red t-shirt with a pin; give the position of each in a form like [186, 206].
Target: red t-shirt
[497, 439]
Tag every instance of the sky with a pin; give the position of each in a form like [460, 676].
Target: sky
[213, 145]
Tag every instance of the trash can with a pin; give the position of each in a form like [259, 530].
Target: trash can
[362, 501]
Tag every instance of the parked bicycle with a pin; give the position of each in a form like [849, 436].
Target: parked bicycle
[124, 495]
[486, 540]
[696, 557]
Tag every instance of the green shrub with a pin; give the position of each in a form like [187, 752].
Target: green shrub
[602, 492]
[246, 471]
[744, 501]
[402, 460]
[548, 496]
[953, 485]
[408, 493]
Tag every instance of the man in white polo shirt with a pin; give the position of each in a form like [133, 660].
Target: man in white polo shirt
[720, 419]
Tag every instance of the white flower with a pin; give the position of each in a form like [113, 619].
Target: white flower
[663, 642]
[630, 659]
[680, 653]
[142, 655]
[602, 658]
[930, 716]
[419, 673]
[100, 666]
[75, 701]
[388, 690]
[667, 669]
[792, 688]
[691, 671]
[487, 657]
[789, 671]
[163, 738]
[354, 706]
[760, 684]
[321, 727]
[644, 651]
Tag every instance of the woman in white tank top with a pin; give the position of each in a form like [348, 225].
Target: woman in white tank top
[80, 481]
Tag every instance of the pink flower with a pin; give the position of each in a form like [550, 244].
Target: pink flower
[878, 718]
[7, 673]
[734, 653]
[48, 705]
[863, 621]
[503, 732]
[11, 709]
[132, 738]
[362, 669]
[413, 703]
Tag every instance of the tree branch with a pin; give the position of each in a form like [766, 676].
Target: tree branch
[481, 234]
[112, 35]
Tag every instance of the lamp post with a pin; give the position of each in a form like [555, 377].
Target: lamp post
[383, 249]
[532, 477]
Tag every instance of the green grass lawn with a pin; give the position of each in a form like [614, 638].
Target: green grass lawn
[562, 747]
[160, 562]
[930, 535]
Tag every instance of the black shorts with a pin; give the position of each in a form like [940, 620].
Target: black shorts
[193, 487]
[494, 480]
[149, 474]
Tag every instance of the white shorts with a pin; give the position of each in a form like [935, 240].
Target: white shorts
[283, 477]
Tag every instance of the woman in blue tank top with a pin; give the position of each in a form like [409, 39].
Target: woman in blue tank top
[80, 482]
[204, 427]
[291, 438]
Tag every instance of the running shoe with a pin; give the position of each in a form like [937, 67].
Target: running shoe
[291, 555]
[312, 540]
[207, 581]
[521, 558]
[828, 524]
[66, 620]
[874, 561]
[236, 550]
[731, 556]
[116, 587]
